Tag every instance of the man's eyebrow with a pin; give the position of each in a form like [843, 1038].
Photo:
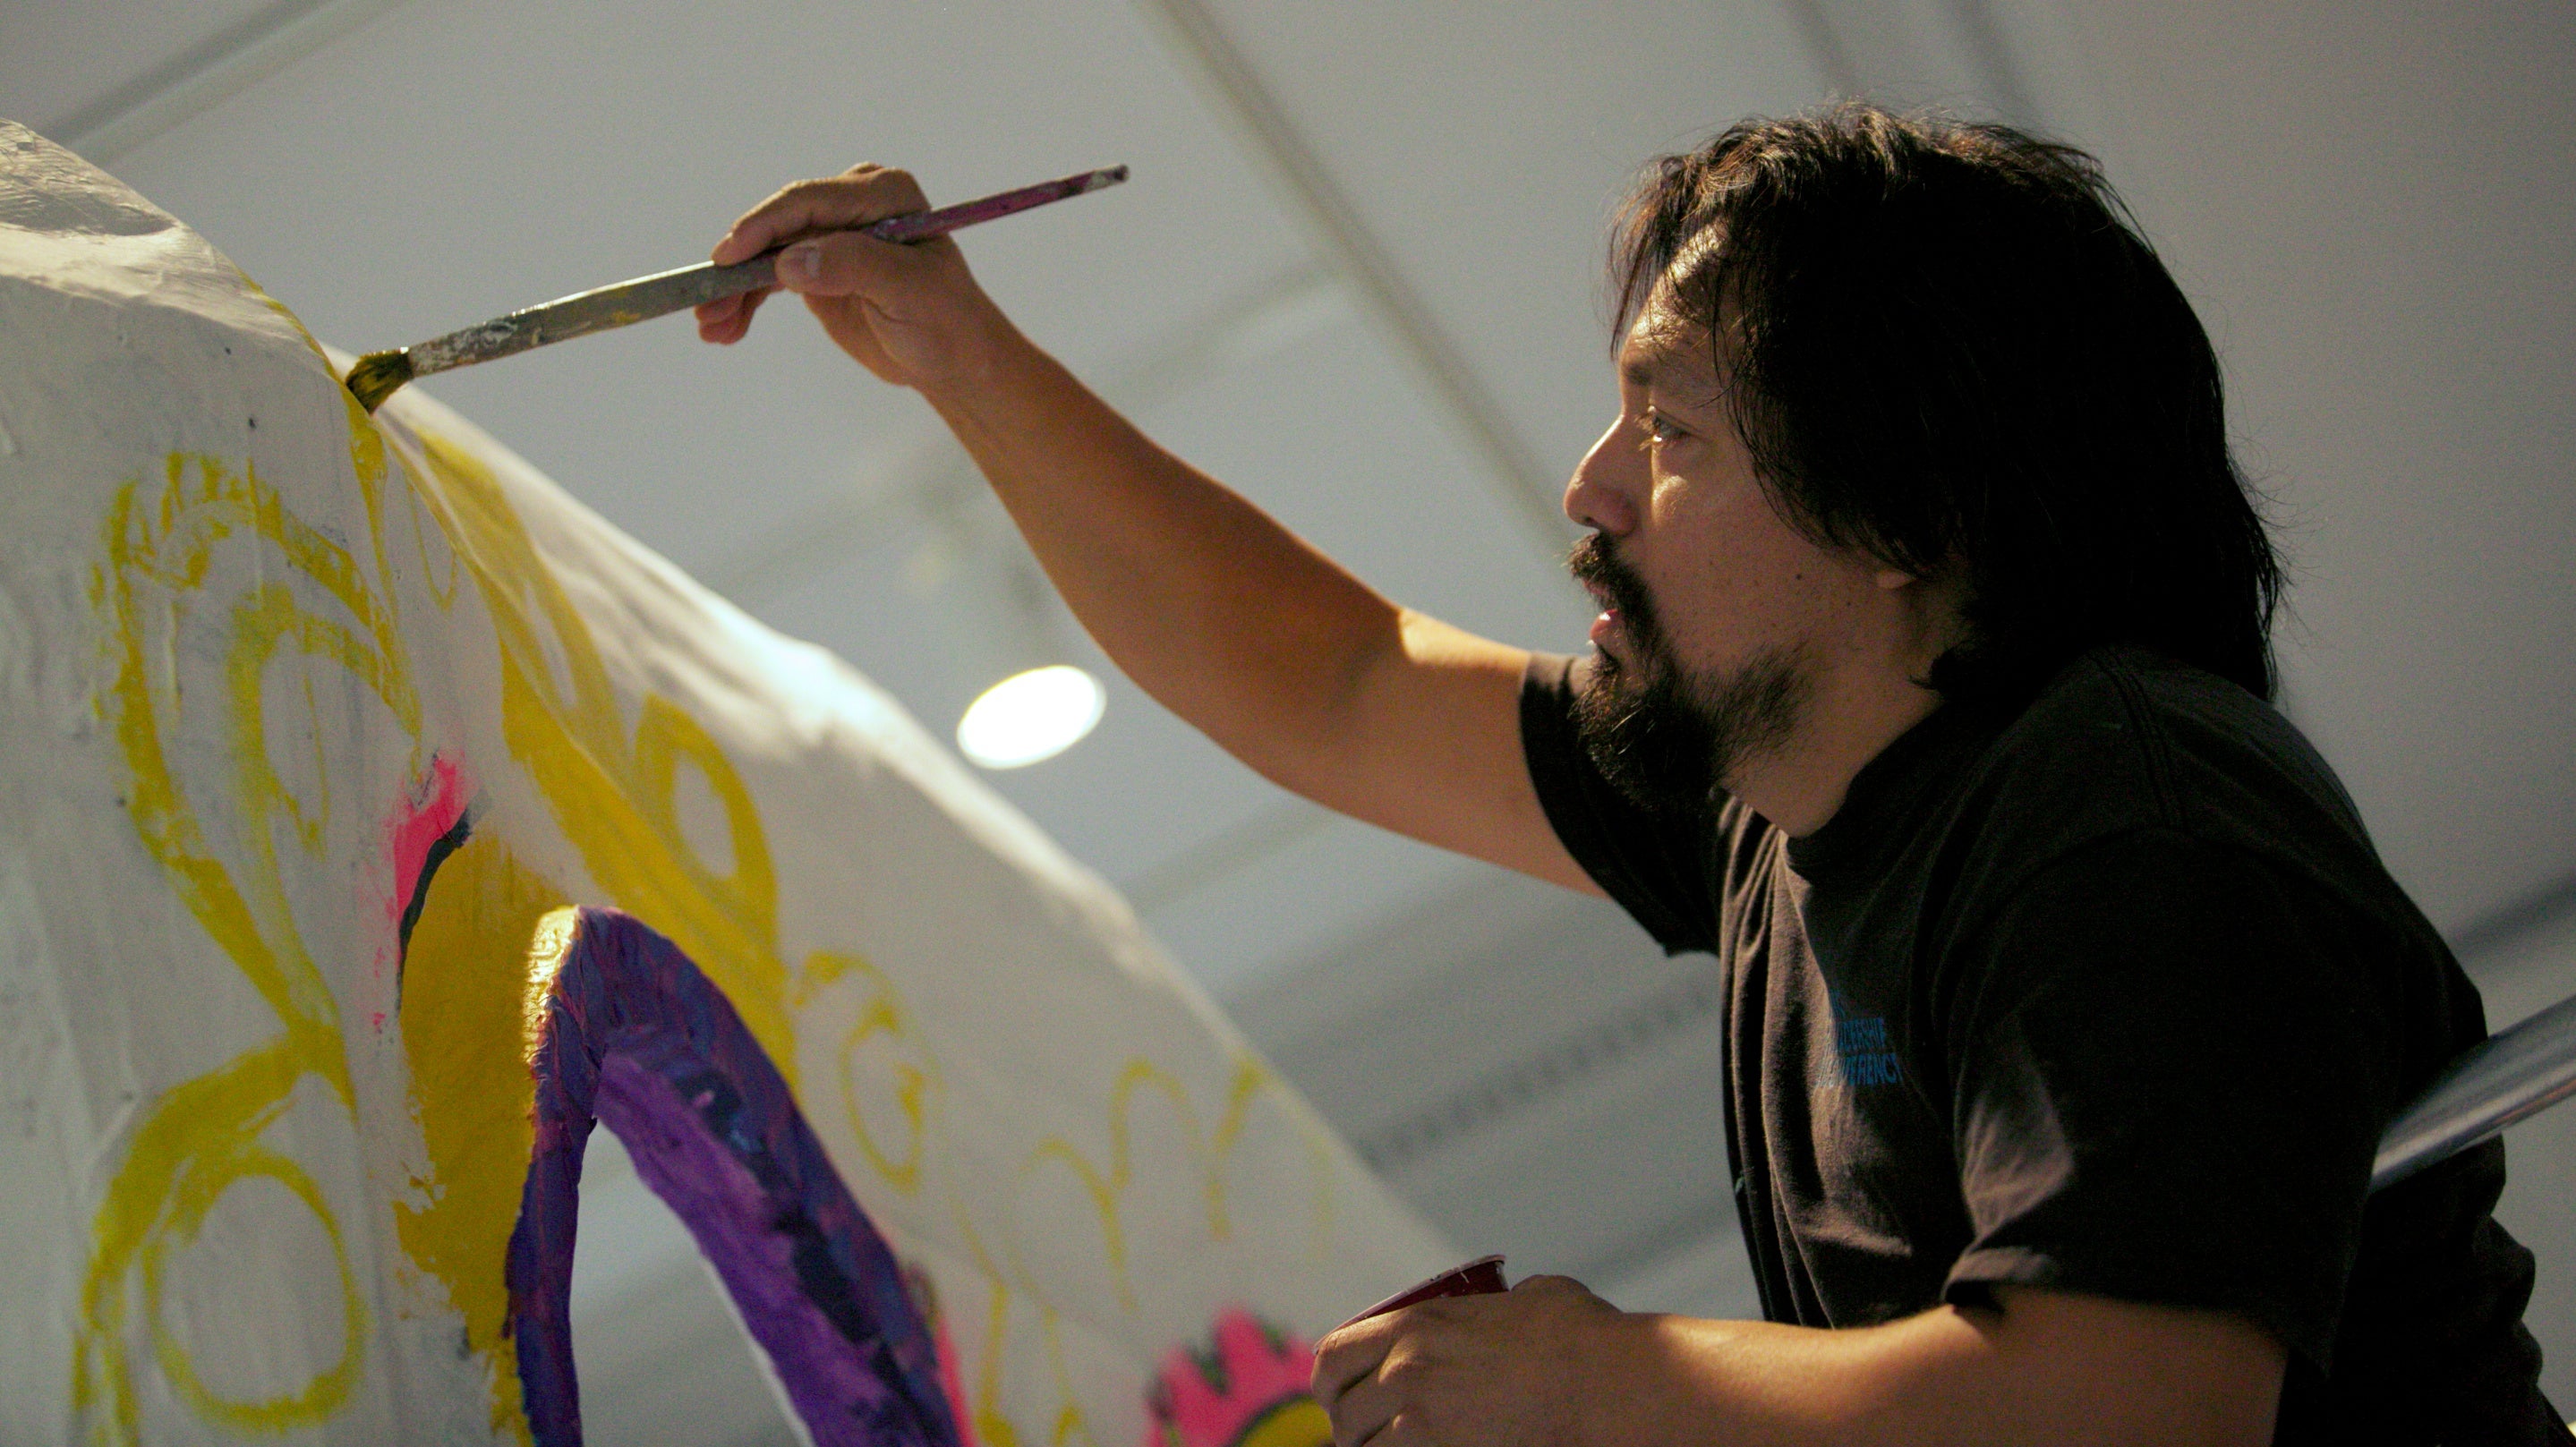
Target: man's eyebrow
[1647, 357]
[1668, 361]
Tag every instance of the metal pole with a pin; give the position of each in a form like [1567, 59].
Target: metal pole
[2517, 1074]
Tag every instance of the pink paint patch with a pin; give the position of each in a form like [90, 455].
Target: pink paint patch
[1213, 1398]
[950, 1383]
[434, 804]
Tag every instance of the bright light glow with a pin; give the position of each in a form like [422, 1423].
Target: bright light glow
[1030, 716]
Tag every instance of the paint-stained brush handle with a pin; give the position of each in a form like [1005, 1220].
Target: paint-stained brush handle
[581, 314]
[379, 374]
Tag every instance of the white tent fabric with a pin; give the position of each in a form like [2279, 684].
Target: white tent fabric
[371, 814]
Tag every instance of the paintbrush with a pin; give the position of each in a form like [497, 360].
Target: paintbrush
[378, 375]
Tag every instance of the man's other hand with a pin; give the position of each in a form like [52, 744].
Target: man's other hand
[1551, 1363]
[909, 312]
[1495, 1371]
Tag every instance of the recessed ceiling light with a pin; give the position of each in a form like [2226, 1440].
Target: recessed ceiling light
[1030, 716]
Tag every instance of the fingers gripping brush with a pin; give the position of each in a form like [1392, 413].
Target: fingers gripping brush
[378, 375]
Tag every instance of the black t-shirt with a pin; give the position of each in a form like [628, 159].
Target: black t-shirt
[2106, 992]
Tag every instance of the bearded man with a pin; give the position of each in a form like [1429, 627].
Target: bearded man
[2067, 999]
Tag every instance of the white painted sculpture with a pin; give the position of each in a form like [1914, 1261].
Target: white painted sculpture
[373, 817]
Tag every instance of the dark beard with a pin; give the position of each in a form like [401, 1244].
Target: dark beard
[1665, 740]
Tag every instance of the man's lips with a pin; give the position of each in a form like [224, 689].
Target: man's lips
[1606, 626]
[1600, 574]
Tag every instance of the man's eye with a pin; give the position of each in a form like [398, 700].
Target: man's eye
[1657, 426]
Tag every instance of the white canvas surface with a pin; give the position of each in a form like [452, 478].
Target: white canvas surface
[259, 1162]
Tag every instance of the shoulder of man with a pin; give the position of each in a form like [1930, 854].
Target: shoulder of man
[2124, 739]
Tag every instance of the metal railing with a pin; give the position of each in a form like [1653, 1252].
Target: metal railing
[2510, 1077]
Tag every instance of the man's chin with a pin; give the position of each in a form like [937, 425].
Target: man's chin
[1670, 752]
[1645, 739]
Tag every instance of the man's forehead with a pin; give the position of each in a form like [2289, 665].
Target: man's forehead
[1666, 350]
[1664, 347]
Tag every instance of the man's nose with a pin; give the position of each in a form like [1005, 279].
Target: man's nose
[1602, 493]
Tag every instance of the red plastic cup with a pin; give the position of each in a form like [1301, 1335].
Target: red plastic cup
[1479, 1277]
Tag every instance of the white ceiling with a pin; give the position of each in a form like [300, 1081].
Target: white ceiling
[1355, 275]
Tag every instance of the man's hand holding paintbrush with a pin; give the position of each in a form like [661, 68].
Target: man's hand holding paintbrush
[1530, 1367]
[378, 375]
[910, 312]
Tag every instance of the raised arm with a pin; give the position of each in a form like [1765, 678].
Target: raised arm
[1231, 621]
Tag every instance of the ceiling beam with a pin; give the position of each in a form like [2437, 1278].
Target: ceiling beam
[211, 72]
[2513, 922]
[1530, 491]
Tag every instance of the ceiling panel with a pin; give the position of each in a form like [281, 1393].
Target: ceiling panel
[1702, 1277]
[661, 1357]
[1333, 437]
[1303, 901]
[1141, 791]
[1485, 158]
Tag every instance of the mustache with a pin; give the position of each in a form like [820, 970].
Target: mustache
[1595, 562]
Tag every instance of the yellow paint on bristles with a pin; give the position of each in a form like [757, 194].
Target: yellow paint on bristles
[378, 375]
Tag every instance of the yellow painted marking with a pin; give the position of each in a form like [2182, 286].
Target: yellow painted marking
[480, 955]
[1296, 1422]
[199, 1139]
[882, 1014]
[614, 793]
[196, 1196]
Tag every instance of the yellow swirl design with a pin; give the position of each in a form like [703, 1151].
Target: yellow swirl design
[612, 789]
[201, 1139]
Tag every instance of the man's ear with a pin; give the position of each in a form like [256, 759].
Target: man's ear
[1936, 598]
[1945, 581]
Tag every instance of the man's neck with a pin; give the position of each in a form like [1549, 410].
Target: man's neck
[1851, 717]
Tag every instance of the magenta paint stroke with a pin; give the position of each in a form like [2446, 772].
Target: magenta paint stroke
[431, 822]
[1246, 1376]
[634, 1036]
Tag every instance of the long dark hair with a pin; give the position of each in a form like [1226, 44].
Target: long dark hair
[1947, 345]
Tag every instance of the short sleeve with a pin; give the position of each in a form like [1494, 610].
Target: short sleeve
[1657, 866]
[2169, 1073]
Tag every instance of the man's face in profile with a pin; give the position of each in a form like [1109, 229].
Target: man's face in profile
[1714, 606]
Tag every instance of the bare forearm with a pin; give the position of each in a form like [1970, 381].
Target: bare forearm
[1761, 1385]
[1209, 604]
[2068, 1371]
[1549, 1364]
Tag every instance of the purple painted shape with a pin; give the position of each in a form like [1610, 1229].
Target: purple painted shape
[636, 1037]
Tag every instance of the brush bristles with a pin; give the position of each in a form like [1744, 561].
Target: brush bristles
[378, 375]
